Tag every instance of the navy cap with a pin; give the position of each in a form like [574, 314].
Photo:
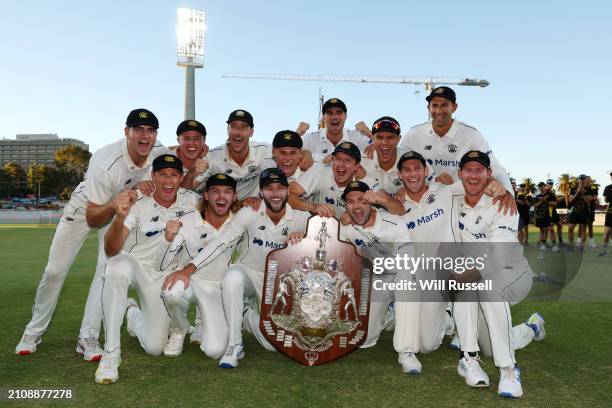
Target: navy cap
[241, 114]
[191, 124]
[410, 155]
[141, 116]
[386, 124]
[287, 138]
[167, 161]
[272, 175]
[477, 156]
[348, 148]
[550, 181]
[220, 179]
[333, 102]
[541, 184]
[443, 92]
[355, 186]
[582, 176]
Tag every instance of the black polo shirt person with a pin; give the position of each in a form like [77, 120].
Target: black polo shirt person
[541, 215]
[608, 223]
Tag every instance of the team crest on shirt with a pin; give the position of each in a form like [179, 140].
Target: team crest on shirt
[428, 147]
[228, 171]
[431, 199]
[397, 182]
[252, 169]
[285, 231]
[452, 148]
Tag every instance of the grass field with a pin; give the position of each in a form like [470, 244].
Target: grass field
[571, 367]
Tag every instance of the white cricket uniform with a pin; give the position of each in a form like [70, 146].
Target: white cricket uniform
[385, 239]
[387, 180]
[319, 180]
[204, 285]
[272, 163]
[110, 171]
[138, 265]
[246, 175]
[489, 323]
[444, 153]
[320, 146]
[257, 236]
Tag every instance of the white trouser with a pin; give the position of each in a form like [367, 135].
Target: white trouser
[419, 326]
[238, 283]
[379, 306]
[206, 295]
[67, 242]
[151, 323]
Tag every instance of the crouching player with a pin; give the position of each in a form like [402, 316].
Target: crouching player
[188, 236]
[137, 264]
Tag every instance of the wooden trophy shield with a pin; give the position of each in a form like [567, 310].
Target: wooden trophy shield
[316, 296]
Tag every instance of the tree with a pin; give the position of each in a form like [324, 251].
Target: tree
[16, 178]
[73, 161]
[529, 185]
[564, 184]
[49, 179]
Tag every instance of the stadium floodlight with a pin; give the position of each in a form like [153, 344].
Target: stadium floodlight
[190, 29]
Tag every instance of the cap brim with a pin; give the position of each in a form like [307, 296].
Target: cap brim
[142, 123]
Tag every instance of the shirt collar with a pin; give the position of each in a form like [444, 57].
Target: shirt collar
[452, 132]
[248, 159]
[128, 160]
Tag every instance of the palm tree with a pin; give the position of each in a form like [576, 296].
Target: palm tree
[564, 185]
[529, 185]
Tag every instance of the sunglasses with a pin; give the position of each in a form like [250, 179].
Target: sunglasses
[385, 124]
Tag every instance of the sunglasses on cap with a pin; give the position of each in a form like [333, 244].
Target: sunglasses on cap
[386, 124]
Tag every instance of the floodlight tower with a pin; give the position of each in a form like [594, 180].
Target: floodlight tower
[190, 29]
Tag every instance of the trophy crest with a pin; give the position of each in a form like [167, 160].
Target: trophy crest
[316, 296]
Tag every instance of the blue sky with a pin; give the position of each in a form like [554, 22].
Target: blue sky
[77, 69]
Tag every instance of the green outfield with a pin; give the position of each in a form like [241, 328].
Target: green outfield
[571, 367]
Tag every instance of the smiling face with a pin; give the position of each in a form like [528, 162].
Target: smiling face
[334, 119]
[238, 134]
[287, 159]
[140, 141]
[358, 208]
[413, 174]
[220, 199]
[191, 144]
[167, 182]
[441, 111]
[385, 144]
[344, 168]
[275, 196]
[475, 177]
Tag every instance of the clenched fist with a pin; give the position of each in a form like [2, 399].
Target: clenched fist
[302, 128]
[123, 202]
[172, 228]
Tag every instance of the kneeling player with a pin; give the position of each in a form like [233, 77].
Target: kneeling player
[137, 264]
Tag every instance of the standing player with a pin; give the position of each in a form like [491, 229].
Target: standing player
[138, 264]
[608, 223]
[113, 170]
[191, 136]
[271, 227]
[592, 196]
[523, 204]
[555, 220]
[188, 237]
[578, 212]
[541, 215]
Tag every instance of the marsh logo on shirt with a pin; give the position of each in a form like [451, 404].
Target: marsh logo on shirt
[452, 148]
[507, 228]
[268, 244]
[425, 219]
[149, 234]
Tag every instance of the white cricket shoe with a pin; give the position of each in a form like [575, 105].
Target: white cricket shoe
[536, 322]
[231, 356]
[174, 346]
[89, 348]
[510, 382]
[108, 369]
[592, 243]
[196, 335]
[27, 344]
[555, 248]
[410, 363]
[469, 368]
[455, 344]
[132, 306]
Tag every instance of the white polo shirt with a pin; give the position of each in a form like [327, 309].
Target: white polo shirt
[428, 220]
[444, 153]
[320, 146]
[387, 180]
[147, 223]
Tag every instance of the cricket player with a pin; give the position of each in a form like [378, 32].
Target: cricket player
[274, 225]
[114, 169]
[542, 215]
[592, 196]
[322, 142]
[287, 153]
[555, 220]
[523, 204]
[578, 213]
[192, 148]
[608, 221]
[185, 238]
[483, 319]
[137, 263]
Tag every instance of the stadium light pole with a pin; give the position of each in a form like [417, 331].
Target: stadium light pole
[190, 29]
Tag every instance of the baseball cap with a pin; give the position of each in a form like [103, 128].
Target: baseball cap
[410, 155]
[386, 124]
[550, 181]
[287, 138]
[220, 179]
[541, 184]
[477, 156]
[348, 148]
[443, 92]
[186, 125]
[272, 175]
[522, 185]
[141, 116]
[333, 102]
[167, 161]
[582, 176]
[355, 186]
[241, 114]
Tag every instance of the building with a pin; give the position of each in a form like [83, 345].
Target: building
[34, 149]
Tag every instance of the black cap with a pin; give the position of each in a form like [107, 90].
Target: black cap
[411, 155]
[287, 138]
[541, 184]
[333, 102]
[550, 181]
[272, 175]
[241, 114]
[167, 161]
[348, 148]
[141, 116]
[386, 124]
[443, 92]
[220, 179]
[582, 176]
[191, 124]
[355, 186]
[522, 185]
[477, 156]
